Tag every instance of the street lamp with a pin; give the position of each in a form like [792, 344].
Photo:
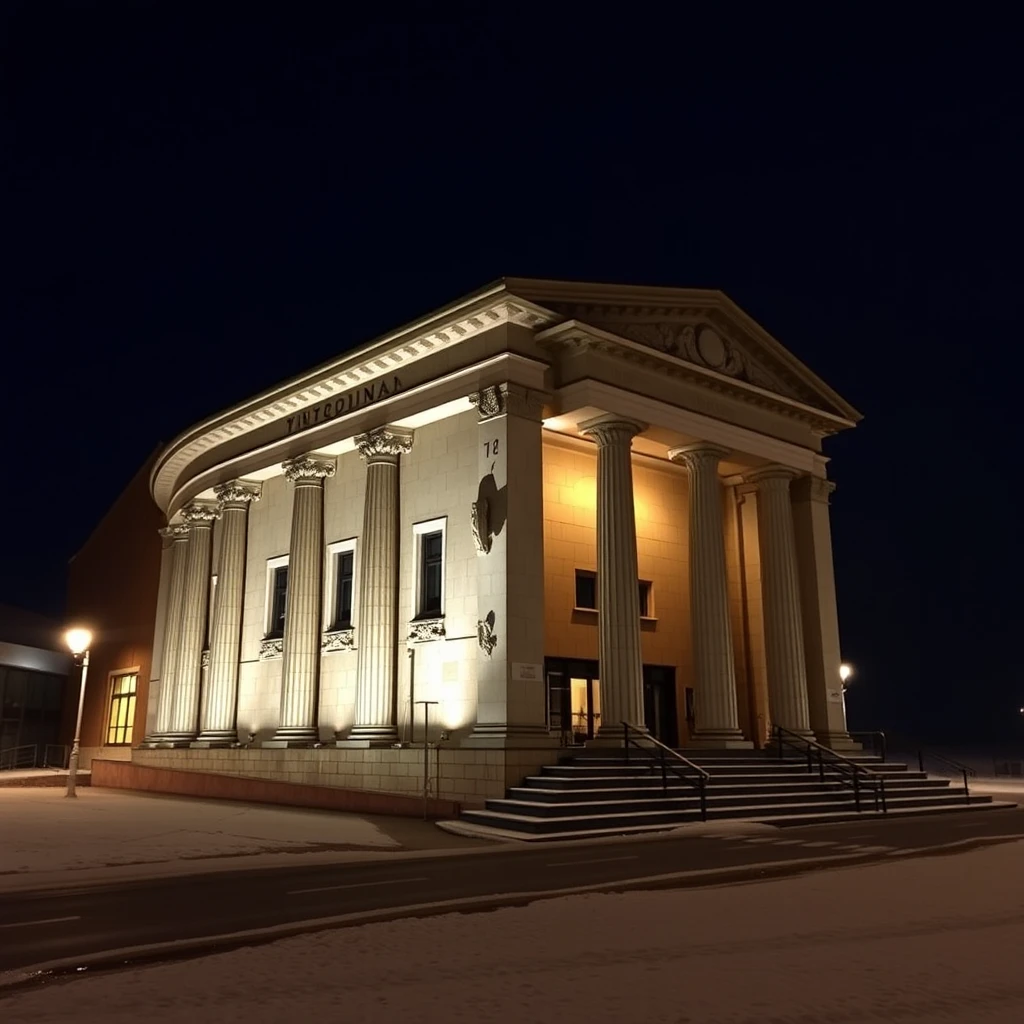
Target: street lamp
[78, 641]
[845, 671]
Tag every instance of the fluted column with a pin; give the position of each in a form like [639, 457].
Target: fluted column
[178, 532]
[780, 595]
[219, 700]
[200, 517]
[378, 590]
[713, 666]
[618, 599]
[300, 670]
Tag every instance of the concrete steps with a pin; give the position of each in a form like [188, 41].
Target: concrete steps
[604, 793]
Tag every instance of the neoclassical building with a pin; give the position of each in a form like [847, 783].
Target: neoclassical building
[542, 511]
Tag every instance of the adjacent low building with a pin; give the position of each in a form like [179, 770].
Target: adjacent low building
[541, 512]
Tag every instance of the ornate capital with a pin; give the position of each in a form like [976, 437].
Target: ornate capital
[308, 467]
[237, 493]
[507, 399]
[384, 444]
[611, 430]
[777, 477]
[176, 531]
[200, 513]
[697, 458]
[813, 488]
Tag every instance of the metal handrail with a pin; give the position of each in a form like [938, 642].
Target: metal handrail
[11, 758]
[61, 761]
[841, 764]
[878, 741]
[964, 769]
[700, 783]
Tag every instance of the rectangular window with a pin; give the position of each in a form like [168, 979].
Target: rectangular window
[122, 710]
[431, 574]
[344, 577]
[278, 600]
[646, 604]
[586, 590]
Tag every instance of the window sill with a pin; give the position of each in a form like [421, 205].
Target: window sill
[338, 639]
[271, 647]
[424, 630]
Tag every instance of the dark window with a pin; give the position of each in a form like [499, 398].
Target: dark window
[343, 596]
[586, 589]
[122, 710]
[278, 601]
[645, 598]
[431, 548]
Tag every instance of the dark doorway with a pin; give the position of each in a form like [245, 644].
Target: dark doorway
[660, 704]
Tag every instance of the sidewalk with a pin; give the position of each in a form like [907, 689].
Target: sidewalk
[108, 835]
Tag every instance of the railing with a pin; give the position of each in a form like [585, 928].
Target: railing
[848, 772]
[963, 769]
[877, 740]
[55, 755]
[669, 760]
[18, 757]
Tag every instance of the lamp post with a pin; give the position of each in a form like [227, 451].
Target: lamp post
[845, 672]
[78, 640]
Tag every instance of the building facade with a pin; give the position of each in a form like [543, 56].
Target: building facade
[541, 512]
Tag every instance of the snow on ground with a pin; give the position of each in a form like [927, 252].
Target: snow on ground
[917, 941]
[44, 832]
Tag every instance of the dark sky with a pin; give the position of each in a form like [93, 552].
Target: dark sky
[201, 200]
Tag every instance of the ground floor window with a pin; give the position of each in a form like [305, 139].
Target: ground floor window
[122, 709]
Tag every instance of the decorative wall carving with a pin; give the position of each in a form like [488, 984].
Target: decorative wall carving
[205, 659]
[486, 638]
[338, 640]
[271, 647]
[479, 520]
[424, 630]
[513, 399]
[490, 401]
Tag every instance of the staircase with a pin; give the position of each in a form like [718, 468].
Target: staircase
[593, 794]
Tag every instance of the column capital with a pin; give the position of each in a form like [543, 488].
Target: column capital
[611, 430]
[813, 488]
[384, 444]
[307, 468]
[237, 493]
[175, 531]
[702, 455]
[507, 399]
[200, 513]
[773, 475]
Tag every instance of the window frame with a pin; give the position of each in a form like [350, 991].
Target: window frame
[114, 700]
[588, 574]
[420, 532]
[273, 564]
[333, 580]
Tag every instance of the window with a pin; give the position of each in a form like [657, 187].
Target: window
[646, 604]
[122, 709]
[430, 548]
[586, 589]
[277, 596]
[344, 578]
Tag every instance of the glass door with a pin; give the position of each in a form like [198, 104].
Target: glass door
[574, 699]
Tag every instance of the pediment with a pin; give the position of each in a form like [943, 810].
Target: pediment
[704, 328]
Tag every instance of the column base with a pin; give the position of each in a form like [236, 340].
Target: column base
[720, 739]
[209, 743]
[292, 737]
[363, 736]
[175, 739]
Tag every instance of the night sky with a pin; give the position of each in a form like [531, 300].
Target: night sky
[202, 200]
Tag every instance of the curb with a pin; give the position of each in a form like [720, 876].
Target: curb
[134, 956]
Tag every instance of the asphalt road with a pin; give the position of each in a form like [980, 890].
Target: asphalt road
[44, 926]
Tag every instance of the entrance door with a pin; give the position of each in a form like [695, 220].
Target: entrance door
[574, 699]
[660, 704]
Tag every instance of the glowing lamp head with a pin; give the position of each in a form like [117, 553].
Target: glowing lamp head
[845, 671]
[78, 640]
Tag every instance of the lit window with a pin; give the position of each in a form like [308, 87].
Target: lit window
[122, 710]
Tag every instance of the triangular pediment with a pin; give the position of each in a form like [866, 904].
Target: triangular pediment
[702, 327]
